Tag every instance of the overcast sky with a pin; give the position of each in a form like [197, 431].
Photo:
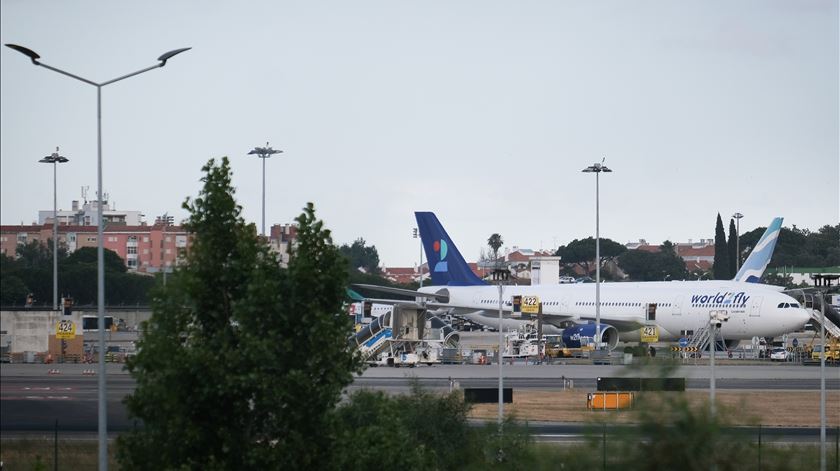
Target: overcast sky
[482, 111]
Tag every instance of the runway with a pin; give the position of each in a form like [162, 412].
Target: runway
[32, 400]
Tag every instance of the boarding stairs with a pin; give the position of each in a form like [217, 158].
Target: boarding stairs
[830, 327]
[701, 339]
[814, 305]
[375, 337]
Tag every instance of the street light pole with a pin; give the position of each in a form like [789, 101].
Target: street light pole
[597, 168]
[737, 217]
[822, 294]
[420, 268]
[100, 252]
[716, 319]
[500, 358]
[263, 153]
[55, 159]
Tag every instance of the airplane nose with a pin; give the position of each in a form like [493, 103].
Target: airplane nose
[800, 317]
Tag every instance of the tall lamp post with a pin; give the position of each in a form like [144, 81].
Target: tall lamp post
[100, 265]
[55, 159]
[263, 153]
[737, 217]
[597, 168]
[420, 269]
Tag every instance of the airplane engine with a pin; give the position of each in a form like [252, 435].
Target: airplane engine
[572, 336]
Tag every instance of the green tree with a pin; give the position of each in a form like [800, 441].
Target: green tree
[800, 247]
[732, 249]
[641, 265]
[359, 255]
[495, 243]
[243, 361]
[721, 261]
[87, 256]
[581, 252]
[13, 290]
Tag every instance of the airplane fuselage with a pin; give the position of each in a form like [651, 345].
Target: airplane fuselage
[674, 307]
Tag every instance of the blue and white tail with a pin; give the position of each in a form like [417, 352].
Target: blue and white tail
[756, 263]
[446, 264]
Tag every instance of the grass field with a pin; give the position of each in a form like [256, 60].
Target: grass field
[768, 408]
[38, 454]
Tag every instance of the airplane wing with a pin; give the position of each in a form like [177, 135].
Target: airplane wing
[401, 291]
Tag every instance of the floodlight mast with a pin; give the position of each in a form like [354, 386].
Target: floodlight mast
[55, 159]
[597, 168]
[100, 266]
[264, 153]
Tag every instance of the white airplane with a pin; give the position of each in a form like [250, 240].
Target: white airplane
[674, 308]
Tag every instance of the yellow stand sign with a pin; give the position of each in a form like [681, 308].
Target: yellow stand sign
[65, 330]
[649, 334]
[530, 304]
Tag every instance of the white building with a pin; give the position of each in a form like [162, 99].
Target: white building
[86, 215]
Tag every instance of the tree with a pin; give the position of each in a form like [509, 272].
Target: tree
[581, 252]
[243, 361]
[495, 243]
[12, 289]
[359, 255]
[87, 256]
[721, 261]
[641, 265]
[799, 247]
[732, 249]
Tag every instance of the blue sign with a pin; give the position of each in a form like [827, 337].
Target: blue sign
[683, 342]
[795, 342]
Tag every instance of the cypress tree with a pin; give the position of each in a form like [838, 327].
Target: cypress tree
[732, 249]
[721, 266]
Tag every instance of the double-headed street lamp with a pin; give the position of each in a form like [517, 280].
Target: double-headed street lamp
[737, 217]
[264, 153]
[597, 168]
[55, 159]
[100, 265]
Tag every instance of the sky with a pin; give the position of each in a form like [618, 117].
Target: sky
[482, 111]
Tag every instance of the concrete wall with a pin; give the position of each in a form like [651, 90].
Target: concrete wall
[30, 330]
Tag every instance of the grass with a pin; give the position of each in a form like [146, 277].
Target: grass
[38, 454]
[768, 408]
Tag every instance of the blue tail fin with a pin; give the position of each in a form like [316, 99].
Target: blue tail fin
[446, 264]
[756, 263]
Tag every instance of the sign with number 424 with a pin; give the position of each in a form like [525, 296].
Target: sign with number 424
[65, 330]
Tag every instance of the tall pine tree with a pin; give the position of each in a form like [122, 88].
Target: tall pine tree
[732, 249]
[721, 267]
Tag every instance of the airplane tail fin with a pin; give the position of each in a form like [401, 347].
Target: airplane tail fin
[446, 264]
[756, 263]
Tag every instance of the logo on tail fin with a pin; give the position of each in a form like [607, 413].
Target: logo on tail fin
[446, 264]
[440, 247]
[753, 268]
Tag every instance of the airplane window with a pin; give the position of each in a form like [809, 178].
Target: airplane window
[787, 305]
[794, 305]
[781, 305]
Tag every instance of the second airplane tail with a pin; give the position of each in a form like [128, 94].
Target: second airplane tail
[446, 265]
[753, 268]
